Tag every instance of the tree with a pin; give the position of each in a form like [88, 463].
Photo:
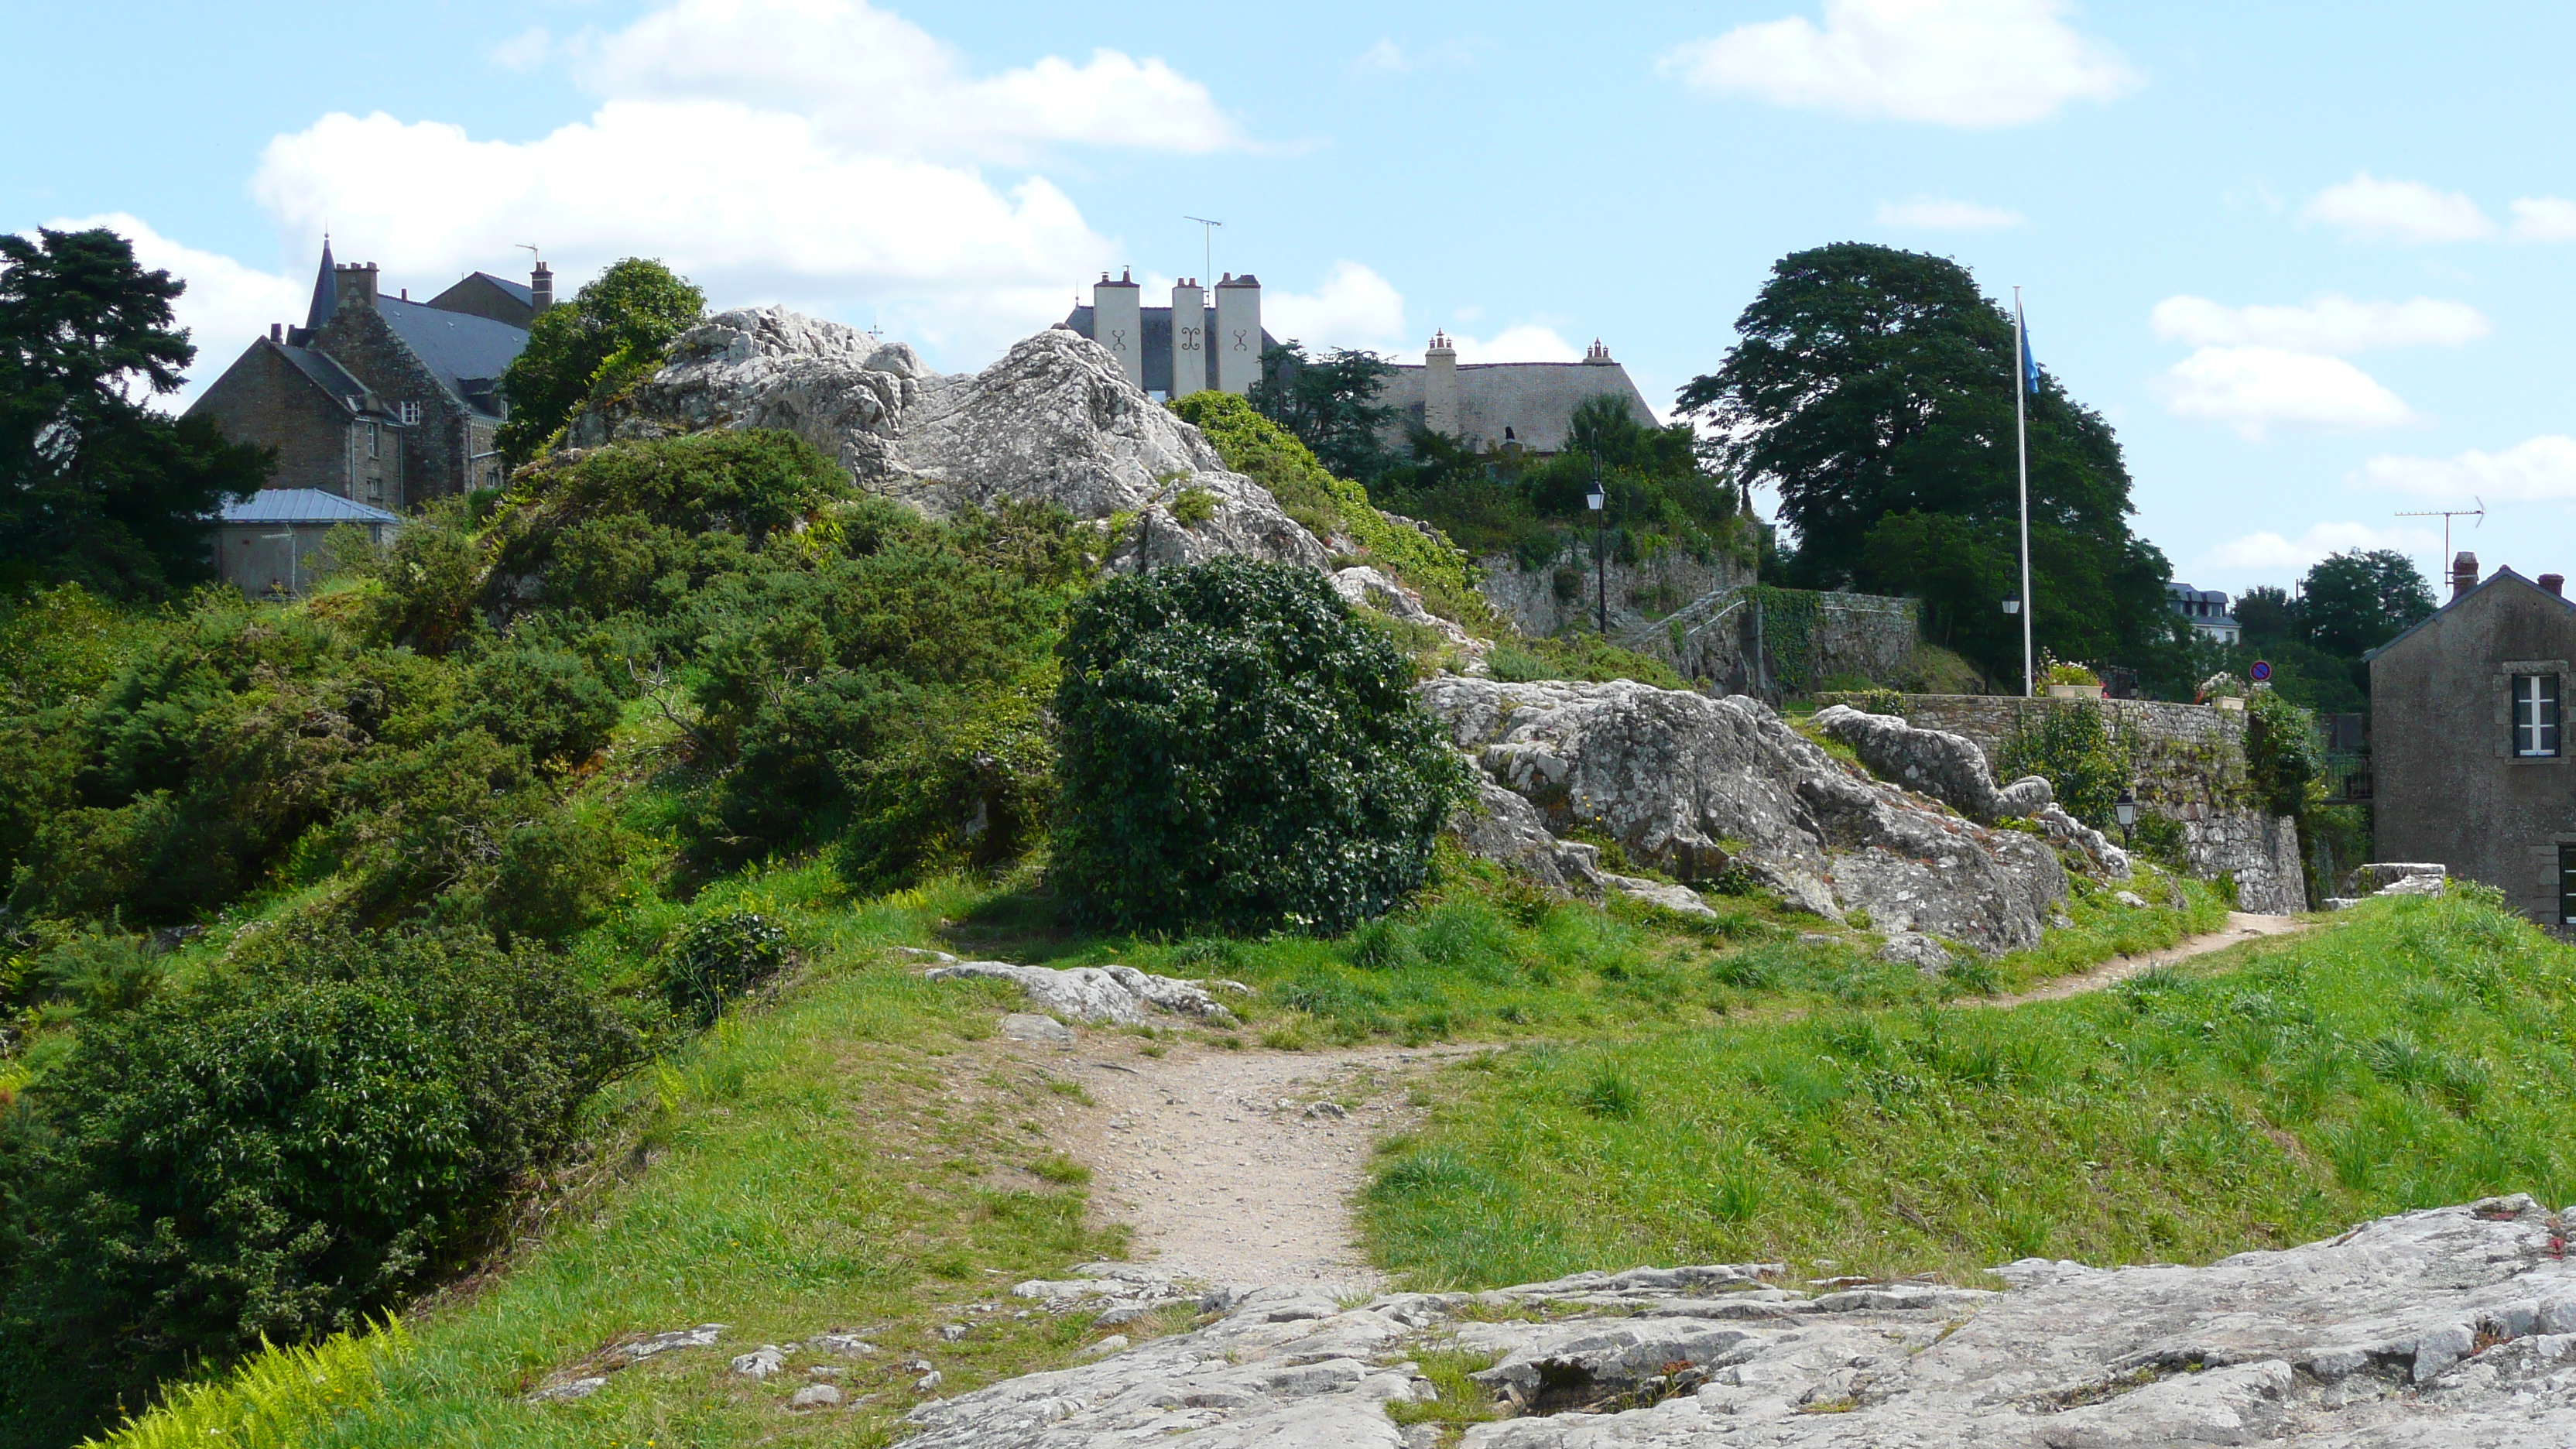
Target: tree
[2267, 612]
[95, 486]
[1238, 751]
[1874, 388]
[2360, 600]
[1330, 403]
[612, 331]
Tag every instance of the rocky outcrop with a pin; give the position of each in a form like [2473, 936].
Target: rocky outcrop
[1947, 767]
[1121, 995]
[1053, 420]
[2447, 1329]
[1696, 786]
[2391, 878]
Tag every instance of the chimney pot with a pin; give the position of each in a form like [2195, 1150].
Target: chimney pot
[2464, 573]
[541, 288]
[2555, 583]
[276, 331]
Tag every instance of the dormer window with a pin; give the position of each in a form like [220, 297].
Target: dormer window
[2535, 716]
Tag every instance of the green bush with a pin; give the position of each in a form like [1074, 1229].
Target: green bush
[273, 1157]
[1238, 751]
[748, 483]
[1577, 656]
[2281, 752]
[718, 959]
[2073, 750]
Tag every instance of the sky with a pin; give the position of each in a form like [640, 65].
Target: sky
[2309, 259]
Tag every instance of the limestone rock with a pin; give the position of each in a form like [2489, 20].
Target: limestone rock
[1118, 994]
[2382, 875]
[761, 1362]
[1949, 768]
[2092, 850]
[816, 1396]
[1501, 826]
[1693, 785]
[1913, 948]
[2454, 1327]
[1053, 420]
[1028, 1026]
[1681, 900]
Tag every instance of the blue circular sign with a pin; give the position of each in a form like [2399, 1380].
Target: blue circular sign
[2261, 671]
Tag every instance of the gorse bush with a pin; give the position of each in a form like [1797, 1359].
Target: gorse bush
[1239, 752]
[277, 1154]
[719, 959]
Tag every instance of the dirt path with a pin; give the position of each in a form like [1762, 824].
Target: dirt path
[1227, 1167]
[2240, 928]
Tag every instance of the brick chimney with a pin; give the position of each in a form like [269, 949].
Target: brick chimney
[2555, 584]
[541, 287]
[2464, 573]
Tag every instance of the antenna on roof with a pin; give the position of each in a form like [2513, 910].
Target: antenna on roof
[534, 255]
[1207, 234]
[2446, 515]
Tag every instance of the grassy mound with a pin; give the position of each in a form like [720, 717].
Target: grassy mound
[2412, 1055]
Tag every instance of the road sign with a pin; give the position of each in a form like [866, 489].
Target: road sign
[2261, 671]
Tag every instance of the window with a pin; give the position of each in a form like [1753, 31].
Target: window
[408, 413]
[375, 442]
[2567, 885]
[2535, 715]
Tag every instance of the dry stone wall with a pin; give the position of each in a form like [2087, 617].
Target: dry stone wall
[2190, 768]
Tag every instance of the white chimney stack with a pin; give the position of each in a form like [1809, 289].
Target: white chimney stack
[1189, 338]
[1118, 323]
[1237, 344]
[1440, 386]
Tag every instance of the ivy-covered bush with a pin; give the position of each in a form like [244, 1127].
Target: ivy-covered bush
[274, 1155]
[2281, 752]
[2072, 749]
[1239, 752]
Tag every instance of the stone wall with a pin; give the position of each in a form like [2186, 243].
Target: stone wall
[2190, 768]
[1564, 591]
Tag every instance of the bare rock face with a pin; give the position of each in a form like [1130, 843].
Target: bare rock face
[1055, 420]
[1947, 767]
[1694, 786]
[2445, 1329]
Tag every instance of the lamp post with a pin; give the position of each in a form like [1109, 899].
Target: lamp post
[1600, 543]
[2125, 810]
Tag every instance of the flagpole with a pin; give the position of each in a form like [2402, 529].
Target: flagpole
[2021, 441]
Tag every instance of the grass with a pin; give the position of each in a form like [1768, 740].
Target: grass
[2416, 1054]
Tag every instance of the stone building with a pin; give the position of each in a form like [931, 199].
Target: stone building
[382, 400]
[270, 542]
[2470, 765]
[1215, 347]
[1525, 405]
[2206, 611]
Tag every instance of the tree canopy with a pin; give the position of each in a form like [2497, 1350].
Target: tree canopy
[96, 487]
[2360, 600]
[1330, 403]
[612, 331]
[1874, 388]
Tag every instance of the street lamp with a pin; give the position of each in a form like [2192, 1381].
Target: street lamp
[2125, 810]
[1600, 543]
[2012, 606]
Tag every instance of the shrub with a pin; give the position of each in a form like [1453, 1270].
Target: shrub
[2072, 749]
[717, 959]
[277, 1155]
[1238, 751]
[2281, 753]
[548, 698]
[747, 482]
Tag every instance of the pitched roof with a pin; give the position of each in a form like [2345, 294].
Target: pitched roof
[466, 353]
[303, 505]
[2493, 579]
[333, 379]
[1535, 400]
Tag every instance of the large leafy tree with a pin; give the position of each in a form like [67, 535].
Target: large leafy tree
[612, 331]
[96, 487]
[2361, 600]
[1330, 403]
[1874, 389]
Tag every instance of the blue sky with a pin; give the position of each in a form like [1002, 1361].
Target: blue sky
[2310, 259]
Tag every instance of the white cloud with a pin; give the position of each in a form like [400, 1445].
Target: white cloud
[2274, 552]
[2252, 389]
[2332, 323]
[868, 78]
[1355, 307]
[1386, 57]
[751, 205]
[225, 306]
[2542, 469]
[1527, 342]
[2544, 219]
[526, 50]
[2369, 209]
[1969, 63]
[1939, 213]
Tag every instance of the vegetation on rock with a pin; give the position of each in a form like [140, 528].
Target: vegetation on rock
[589, 348]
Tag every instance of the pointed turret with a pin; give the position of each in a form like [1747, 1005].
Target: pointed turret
[326, 292]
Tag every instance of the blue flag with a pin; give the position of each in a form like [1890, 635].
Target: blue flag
[2029, 364]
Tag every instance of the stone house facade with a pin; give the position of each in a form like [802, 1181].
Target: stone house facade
[381, 400]
[2471, 765]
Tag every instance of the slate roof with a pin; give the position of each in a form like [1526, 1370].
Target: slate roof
[333, 379]
[326, 292]
[1158, 342]
[303, 505]
[1535, 400]
[2493, 579]
[518, 290]
[466, 353]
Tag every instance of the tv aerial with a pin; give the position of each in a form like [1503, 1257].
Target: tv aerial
[2446, 515]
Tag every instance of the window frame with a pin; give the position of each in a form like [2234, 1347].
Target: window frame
[2538, 720]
